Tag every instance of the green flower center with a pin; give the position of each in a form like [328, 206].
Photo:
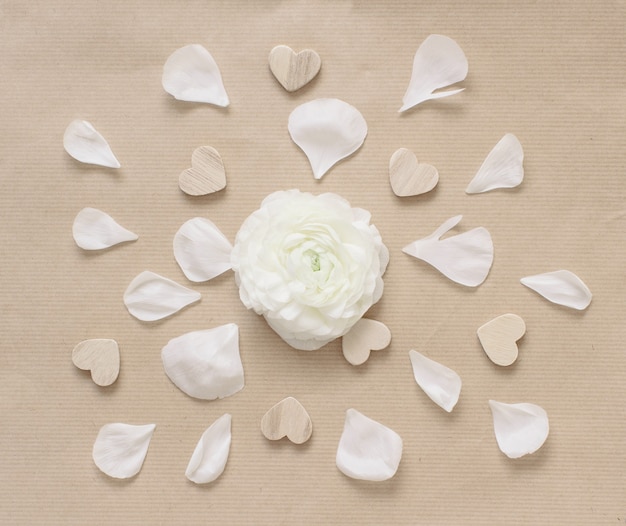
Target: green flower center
[314, 260]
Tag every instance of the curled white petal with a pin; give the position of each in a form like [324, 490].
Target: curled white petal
[561, 287]
[211, 454]
[502, 168]
[520, 428]
[151, 297]
[465, 258]
[191, 74]
[368, 450]
[439, 62]
[327, 130]
[440, 383]
[201, 250]
[120, 449]
[94, 229]
[83, 142]
[205, 364]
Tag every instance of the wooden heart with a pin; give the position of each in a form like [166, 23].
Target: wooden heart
[366, 335]
[294, 70]
[101, 357]
[206, 175]
[410, 177]
[288, 418]
[499, 338]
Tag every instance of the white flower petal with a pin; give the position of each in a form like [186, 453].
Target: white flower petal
[503, 167]
[561, 287]
[367, 449]
[120, 449]
[201, 250]
[520, 428]
[441, 384]
[150, 297]
[465, 258]
[191, 74]
[327, 130]
[439, 62]
[211, 454]
[85, 144]
[95, 230]
[205, 364]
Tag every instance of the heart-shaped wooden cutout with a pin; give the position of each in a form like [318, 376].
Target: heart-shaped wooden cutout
[366, 335]
[206, 175]
[288, 418]
[499, 338]
[410, 177]
[294, 70]
[101, 357]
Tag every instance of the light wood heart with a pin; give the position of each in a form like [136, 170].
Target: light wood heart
[294, 70]
[499, 338]
[206, 175]
[288, 418]
[101, 357]
[410, 177]
[366, 335]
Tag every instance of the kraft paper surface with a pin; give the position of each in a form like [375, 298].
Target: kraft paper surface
[552, 73]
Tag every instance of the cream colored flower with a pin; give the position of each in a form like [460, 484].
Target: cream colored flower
[311, 265]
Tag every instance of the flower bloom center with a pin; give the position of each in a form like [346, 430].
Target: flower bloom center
[311, 265]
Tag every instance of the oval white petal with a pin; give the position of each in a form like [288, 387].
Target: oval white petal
[520, 428]
[561, 287]
[503, 167]
[201, 250]
[191, 74]
[151, 297]
[120, 449]
[465, 258]
[439, 62]
[211, 454]
[327, 130]
[94, 229]
[85, 144]
[440, 383]
[205, 364]
[368, 450]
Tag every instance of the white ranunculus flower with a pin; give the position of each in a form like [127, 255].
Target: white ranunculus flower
[311, 265]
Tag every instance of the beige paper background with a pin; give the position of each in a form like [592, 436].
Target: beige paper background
[550, 72]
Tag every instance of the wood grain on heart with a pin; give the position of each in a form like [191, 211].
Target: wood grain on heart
[410, 177]
[101, 357]
[294, 70]
[206, 175]
[499, 338]
[288, 418]
[366, 335]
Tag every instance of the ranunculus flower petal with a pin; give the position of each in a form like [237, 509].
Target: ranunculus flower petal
[201, 250]
[327, 130]
[311, 265]
[191, 74]
[83, 142]
[561, 287]
[120, 449]
[465, 258]
[94, 229]
[150, 297]
[205, 364]
[211, 454]
[368, 450]
[520, 428]
[503, 167]
[440, 383]
[439, 62]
